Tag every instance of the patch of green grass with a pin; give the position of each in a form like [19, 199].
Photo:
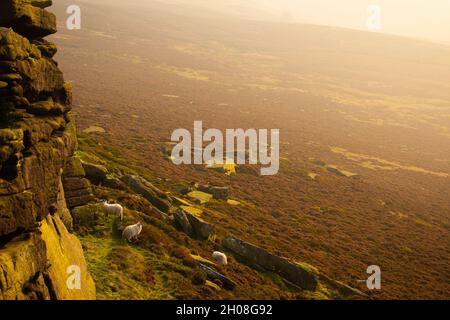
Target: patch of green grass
[321, 293]
[276, 279]
[113, 282]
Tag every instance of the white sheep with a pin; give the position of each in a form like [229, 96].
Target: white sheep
[114, 209]
[132, 231]
[220, 257]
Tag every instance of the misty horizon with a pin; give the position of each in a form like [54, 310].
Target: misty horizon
[411, 18]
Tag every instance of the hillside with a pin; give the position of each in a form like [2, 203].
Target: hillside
[370, 104]
[365, 155]
[58, 242]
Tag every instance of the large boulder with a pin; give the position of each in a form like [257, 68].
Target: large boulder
[193, 225]
[27, 17]
[99, 175]
[215, 275]
[218, 193]
[40, 3]
[146, 189]
[200, 196]
[77, 188]
[182, 221]
[88, 217]
[299, 274]
[95, 173]
[201, 229]
[182, 188]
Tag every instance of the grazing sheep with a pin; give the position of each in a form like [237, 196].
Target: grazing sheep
[132, 231]
[114, 209]
[220, 257]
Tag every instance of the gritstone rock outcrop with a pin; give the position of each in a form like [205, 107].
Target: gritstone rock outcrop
[37, 168]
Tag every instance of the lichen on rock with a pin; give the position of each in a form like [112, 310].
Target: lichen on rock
[37, 144]
[44, 255]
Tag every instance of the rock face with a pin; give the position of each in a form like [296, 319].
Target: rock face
[27, 17]
[200, 228]
[37, 143]
[218, 193]
[214, 275]
[96, 173]
[77, 187]
[193, 225]
[99, 175]
[182, 221]
[35, 266]
[143, 187]
[261, 259]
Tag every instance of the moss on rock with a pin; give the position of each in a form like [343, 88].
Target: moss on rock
[27, 17]
[64, 253]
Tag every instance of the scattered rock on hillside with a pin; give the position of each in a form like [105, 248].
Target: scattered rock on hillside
[166, 149]
[94, 129]
[183, 188]
[146, 189]
[199, 196]
[96, 173]
[194, 225]
[340, 172]
[260, 258]
[201, 229]
[192, 210]
[232, 202]
[214, 275]
[227, 168]
[182, 221]
[218, 193]
[312, 175]
[99, 175]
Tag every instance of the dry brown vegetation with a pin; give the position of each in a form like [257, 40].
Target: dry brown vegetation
[382, 102]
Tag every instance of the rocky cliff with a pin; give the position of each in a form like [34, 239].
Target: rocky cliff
[39, 177]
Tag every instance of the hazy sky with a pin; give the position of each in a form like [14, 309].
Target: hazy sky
[417, 18]
[428, 19]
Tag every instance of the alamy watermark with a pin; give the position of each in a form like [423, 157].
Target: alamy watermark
[373, 282]
[73, 21]
[373, 22]
[191, 148]
[73, 281]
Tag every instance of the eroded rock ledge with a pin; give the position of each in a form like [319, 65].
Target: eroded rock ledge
[37, 143]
